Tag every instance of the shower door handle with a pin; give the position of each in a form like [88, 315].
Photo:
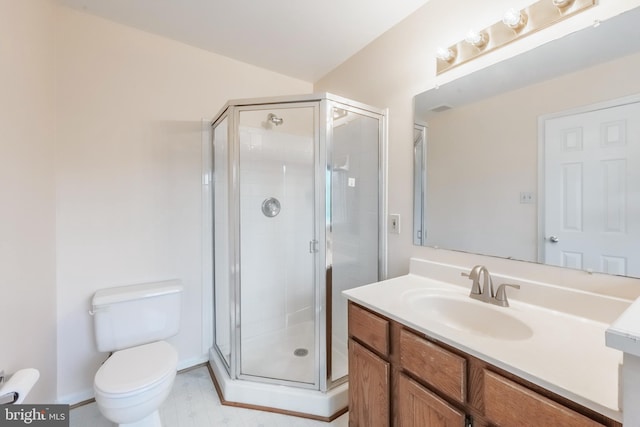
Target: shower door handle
[313, 246]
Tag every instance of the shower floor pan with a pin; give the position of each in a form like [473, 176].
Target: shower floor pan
[274, 356]
[287, 354]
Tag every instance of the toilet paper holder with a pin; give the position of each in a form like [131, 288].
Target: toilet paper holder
[7, 398]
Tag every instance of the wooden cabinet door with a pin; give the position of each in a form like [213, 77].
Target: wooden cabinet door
[369, 388]
[418, 407]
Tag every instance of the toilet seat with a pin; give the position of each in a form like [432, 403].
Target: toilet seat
[132, 370]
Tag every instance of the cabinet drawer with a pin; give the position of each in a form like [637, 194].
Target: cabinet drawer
[370, 329]
[509, 404]
[433, 364]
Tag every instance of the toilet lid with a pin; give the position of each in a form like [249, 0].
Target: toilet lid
[136, 368]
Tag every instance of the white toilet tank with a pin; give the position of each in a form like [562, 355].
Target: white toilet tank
[127, 316]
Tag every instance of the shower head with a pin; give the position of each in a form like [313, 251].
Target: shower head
[275, 119]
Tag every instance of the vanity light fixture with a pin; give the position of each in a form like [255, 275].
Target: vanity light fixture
[477, 39]
[514, 25]
[514, 19]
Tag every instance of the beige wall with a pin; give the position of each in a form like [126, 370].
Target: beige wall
[100, 178]
[400, 64]
[128, 173]
[27, 221]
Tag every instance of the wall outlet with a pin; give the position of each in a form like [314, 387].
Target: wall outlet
[394, 223]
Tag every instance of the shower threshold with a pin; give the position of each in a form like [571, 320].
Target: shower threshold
[313, 404]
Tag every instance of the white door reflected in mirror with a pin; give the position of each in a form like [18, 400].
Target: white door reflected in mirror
[592, 177]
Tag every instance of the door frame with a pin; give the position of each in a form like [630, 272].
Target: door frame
[616, 102]
[235, 253]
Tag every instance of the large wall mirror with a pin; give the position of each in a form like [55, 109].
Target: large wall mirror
[537, 158]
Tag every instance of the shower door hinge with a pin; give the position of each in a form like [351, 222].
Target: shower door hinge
[313, 246]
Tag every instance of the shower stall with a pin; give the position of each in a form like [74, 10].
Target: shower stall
[298, 213]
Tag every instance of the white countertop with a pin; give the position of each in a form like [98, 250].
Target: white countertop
[624, 333]
[565, 353]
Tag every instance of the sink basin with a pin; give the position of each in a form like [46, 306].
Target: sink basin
[464, 314]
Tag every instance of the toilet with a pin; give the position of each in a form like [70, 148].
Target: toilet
[132, 322]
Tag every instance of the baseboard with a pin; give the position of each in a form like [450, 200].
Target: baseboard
[77, 399]
[192, 362]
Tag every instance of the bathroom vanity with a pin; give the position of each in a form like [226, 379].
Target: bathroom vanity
[422, 353]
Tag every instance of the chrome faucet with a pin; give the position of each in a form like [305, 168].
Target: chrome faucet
[484, 292]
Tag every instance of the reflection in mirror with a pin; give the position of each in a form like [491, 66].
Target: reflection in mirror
[419, 181]
[535, 139]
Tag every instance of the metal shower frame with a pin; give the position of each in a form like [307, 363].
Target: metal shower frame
[323, 104]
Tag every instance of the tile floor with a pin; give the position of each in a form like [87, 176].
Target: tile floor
[193, 402]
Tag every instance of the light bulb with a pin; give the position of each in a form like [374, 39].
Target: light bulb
[445, 54]
[476, 39]
[514, 19]
[562, 3]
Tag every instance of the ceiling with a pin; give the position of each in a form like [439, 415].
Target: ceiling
[304, 39]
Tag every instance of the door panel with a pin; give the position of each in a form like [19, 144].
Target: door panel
[354, 242]
[592, 179]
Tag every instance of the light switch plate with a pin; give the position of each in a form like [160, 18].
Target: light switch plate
[394, 223]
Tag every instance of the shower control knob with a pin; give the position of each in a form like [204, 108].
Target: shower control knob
[271, 207]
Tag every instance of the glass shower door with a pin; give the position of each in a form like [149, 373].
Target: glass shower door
[355, 253]
[277, 163]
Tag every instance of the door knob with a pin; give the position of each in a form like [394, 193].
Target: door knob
[554, 239]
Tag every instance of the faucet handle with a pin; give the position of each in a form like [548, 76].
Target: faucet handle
[469, 275]
[474, 276]
[473, 273]
[501, 294]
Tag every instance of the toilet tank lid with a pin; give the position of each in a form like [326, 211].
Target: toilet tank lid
[129, 292]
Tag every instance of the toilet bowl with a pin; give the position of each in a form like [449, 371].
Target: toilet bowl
[132, 322]
[132, 384]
